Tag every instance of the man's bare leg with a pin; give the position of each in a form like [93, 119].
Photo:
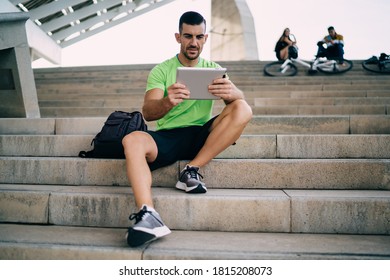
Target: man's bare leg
[140, 148]
[225, 130]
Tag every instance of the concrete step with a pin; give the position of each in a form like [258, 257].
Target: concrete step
[98, 103]
[312, 124]
[138, 95]
[327, 101]
[277, 124]
[79, 112]
[248, 87]
[87, 70]
[242, 68]
[234, 67]
[63, 243]
[123, 71]
[92, 96]
[103, 108]
[253, 98]
[248, 146]
[106, 86]
[312, 109]
[281, 210]
[97, 86]
[96, 83]
[68, 112]
[340, 93]
[285, 93]
[219, 173]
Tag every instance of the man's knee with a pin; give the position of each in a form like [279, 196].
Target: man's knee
[242, 110]
[134, 140]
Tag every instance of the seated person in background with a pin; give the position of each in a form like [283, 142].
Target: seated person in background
[335, 46]
[283, 45]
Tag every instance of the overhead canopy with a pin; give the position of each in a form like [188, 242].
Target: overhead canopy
[69, 21]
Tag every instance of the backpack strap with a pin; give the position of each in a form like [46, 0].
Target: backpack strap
[85, 154]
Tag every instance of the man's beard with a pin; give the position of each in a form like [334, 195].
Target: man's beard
[191, 57]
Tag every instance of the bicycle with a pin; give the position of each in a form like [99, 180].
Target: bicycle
[324, 65]
[378, 65]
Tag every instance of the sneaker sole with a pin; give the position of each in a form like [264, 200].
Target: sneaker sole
[141, 237]
[196, 189]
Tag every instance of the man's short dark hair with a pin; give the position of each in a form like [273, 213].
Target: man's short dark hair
[330, 28]
[191, 18]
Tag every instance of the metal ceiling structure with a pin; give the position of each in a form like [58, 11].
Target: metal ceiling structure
[70, 21]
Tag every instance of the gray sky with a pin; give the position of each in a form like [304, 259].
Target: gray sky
[365, 25]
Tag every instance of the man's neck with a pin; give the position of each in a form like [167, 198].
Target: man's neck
[186, 62]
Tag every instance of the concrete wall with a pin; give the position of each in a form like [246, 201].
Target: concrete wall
[17, 85]
[41, 45]
[232, 31]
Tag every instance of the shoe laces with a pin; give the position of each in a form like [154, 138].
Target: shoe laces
[138, 216]
[193, 171]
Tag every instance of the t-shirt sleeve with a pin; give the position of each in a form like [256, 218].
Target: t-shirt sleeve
[156, 79]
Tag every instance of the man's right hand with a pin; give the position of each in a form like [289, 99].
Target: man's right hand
[157, 106]
[177, 93]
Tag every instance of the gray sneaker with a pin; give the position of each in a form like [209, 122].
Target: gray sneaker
[189, 180]
[147, 228]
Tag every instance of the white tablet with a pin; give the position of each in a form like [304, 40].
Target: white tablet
[198, 79]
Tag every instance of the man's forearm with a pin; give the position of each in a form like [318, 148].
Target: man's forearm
[155, 109]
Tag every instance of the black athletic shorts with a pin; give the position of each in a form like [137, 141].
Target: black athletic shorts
[179, 143]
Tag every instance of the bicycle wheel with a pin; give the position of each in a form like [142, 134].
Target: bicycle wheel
[377, 66]
[337, 68]
[274, 69]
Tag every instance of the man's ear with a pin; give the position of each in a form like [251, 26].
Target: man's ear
[177, 36]
[205, 37]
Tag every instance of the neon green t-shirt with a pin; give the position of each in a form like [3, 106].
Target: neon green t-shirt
[187, 113]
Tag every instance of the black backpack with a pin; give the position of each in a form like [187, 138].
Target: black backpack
[108, 142]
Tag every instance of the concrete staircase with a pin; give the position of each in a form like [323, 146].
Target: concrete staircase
[309, 179]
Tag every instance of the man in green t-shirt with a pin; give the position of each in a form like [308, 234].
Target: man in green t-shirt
[185, 129]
